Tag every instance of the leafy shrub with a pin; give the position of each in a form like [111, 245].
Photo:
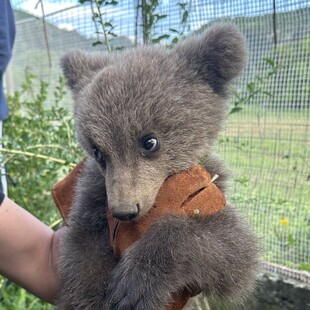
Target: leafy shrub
[39, 146]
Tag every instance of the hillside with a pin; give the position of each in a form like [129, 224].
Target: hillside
[292, 52]
[31, 52]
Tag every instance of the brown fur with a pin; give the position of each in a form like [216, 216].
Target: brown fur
[177, 96]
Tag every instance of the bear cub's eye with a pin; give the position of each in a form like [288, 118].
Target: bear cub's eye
[98, 155]
[149, 144]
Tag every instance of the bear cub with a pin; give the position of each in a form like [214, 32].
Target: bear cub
[141, 115]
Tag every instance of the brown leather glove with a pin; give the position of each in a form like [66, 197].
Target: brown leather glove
[188, 193]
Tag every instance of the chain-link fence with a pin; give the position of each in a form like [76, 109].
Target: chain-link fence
[266, 142]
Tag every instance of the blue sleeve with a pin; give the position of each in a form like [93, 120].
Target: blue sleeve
[1, 197]
[7, 33]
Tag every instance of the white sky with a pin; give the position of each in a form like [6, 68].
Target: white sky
[49, 7]
[68, 20]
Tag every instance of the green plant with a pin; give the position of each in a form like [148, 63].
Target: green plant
[255, 87]
[103, 28]
[185, 8]
[38, 147]
[150, 17]
[13, 297]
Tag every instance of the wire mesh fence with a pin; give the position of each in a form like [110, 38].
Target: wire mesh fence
[266, 143]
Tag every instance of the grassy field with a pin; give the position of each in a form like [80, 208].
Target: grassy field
[269, 154]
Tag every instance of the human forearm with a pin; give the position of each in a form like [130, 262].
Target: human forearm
[27, 246]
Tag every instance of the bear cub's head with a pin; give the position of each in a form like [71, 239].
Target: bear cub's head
[145, 113]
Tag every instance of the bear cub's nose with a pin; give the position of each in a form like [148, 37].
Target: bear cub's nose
[126, 214]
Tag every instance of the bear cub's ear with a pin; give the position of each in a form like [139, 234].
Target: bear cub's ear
[217, 56]
[79, 67]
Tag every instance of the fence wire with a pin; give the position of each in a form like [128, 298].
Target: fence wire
[266, 143]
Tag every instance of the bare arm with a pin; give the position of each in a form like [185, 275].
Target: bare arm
[27, 251]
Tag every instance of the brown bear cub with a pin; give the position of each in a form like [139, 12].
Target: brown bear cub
[142, 115]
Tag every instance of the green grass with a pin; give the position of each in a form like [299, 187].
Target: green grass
[268, 152]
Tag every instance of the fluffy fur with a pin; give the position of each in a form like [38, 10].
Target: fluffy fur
[177, 95]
